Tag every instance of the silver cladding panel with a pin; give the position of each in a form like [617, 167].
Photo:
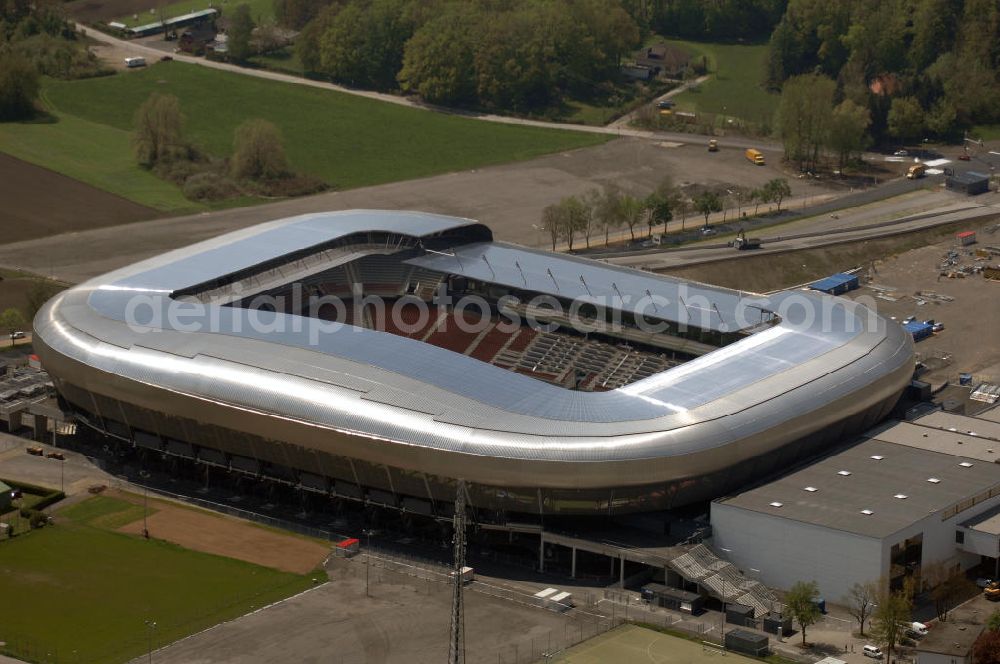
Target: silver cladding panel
[751, 396]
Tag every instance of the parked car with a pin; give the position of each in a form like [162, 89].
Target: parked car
[872, 651]
[964, 157]
[708, 230]
[56, 455]
[665, 103]
[17, 335]
[36, 451]
[983, 581]
[900, 153]
[916, 630]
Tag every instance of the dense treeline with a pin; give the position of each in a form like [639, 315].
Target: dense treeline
[720, 20]
[36, 39]
[919, 67]
[522, 54]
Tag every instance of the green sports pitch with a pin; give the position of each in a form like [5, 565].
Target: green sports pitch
[638, 645]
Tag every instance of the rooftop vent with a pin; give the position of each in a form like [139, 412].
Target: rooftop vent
[776, 504]
[845, 473]
[867, 512]
[901, 496]
[965, 464]
[933, 480]
[810, 489]
[877, 457]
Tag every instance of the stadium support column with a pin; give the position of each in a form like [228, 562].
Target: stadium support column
[541, 552]
[572, 571]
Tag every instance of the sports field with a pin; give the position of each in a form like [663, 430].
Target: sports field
[80, 591]
[636, 645]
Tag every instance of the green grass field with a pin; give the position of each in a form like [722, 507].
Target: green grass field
[94, 153]
[262, 11]
[637, 645]
[80, 592]
[734, 88]
[347, 141]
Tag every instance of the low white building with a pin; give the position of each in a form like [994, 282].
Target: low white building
[911, 494]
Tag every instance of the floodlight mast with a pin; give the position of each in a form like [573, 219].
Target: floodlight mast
[456, 645]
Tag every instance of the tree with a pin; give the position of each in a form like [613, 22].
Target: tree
[986, 649]
[801, 600]
[741, 195]
[849, 130]
[553, 220]
[860, 602]
[906, 118]
[608, 211]
[158, 130]
[574, 218]
[994, 622]
[590, 201]
[707, 202]
[436, 59]
[805, 113]
[40, 293]
[947, 587]
[631, 212]
[777, 190]
[758, 196]
[890, 617]
[658, 208]
[240, 31]
[10, 320]
[18, 86]
[258, 152]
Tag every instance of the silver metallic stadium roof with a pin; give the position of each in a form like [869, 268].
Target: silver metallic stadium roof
[400, 389]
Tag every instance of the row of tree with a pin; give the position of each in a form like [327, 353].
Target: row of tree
[605, 211]
[919, 67]
[522, 54]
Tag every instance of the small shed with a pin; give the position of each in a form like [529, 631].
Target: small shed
[965, 238]
[738, 614]
[918, 329]
[970, 183]
[673, 598]
[836, 284]
[772, 623]
[747, 642]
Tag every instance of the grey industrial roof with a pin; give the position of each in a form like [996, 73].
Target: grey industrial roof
[988, 522]
[991, 415]
[955, 637]
[963, 424]
[933, 439]
[872, 484]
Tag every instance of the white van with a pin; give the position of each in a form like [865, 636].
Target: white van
[916, 630]
[872, 651]
[135, 62]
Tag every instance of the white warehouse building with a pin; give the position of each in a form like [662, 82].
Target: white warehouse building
[910, 494]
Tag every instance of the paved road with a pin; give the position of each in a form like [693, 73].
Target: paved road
[624, 120]
[811, 240]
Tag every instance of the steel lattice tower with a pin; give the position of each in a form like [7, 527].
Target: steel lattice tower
[456, 645]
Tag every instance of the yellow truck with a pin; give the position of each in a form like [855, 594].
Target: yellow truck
[755, 156]
[916, 171]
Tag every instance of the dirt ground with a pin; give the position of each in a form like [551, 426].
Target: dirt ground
[225, 536]
[508, 198]
[38, 202]
[405, 620]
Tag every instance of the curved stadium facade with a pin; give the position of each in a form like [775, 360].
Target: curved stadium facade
[380, 356]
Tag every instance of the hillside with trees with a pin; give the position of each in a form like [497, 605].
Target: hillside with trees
[523, 55]
[918, 68]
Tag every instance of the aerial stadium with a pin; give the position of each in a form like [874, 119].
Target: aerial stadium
[381, 356]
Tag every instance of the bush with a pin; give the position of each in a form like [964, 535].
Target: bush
[38, 519]
[18, 87]
[209, 186]
[258, 152]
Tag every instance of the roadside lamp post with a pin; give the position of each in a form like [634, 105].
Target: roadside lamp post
[150, 625]
[145, 504]
[368, 556]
